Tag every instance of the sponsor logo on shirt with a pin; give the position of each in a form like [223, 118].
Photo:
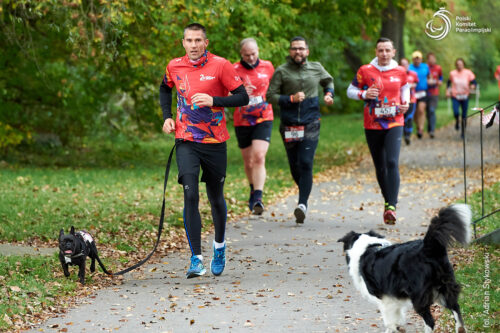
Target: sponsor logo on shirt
[260, 76]
[394, 79]
[206, 78]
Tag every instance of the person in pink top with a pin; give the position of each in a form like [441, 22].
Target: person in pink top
[460, 83]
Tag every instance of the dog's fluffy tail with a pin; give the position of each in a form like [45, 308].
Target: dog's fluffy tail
[452, 222]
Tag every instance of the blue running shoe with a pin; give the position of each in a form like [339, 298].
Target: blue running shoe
[196, 268]
[219, 261]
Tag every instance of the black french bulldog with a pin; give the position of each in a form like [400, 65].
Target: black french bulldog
[74, 248]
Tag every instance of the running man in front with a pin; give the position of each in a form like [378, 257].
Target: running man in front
[384, 87]
[203, 81]
[294, 87]
[253, 123]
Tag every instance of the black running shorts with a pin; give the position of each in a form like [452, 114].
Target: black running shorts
[261, 131]
[212, 157]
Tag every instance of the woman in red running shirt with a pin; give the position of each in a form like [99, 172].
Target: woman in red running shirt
[384, 87]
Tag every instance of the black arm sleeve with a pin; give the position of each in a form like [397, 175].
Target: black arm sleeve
[239, 97]
[166, 100]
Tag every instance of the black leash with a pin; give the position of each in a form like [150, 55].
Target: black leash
[160, 226]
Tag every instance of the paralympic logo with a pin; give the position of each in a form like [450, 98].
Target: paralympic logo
[439, 32]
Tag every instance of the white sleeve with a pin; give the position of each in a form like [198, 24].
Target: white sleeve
[353, 92]
[405, 94]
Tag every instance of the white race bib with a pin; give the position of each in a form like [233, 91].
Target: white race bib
[420, 94]
[462, 97]
[387, 111]
[255, 100]
[294, 133]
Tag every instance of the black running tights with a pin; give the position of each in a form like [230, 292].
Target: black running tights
[192, 219]
[384, 147]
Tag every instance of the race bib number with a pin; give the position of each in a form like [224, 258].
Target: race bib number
[388, 111]
[462, 97]
[253, 100]
[294, 133]
[420, 94]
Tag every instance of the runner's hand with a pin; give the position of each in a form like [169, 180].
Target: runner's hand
[299, 97]
[169, 125]
[201, 100]
[403, 108]
[372, 92]
[250, 88]
[328, 99]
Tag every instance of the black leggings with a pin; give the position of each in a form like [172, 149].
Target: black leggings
[300, 158]
[384, 147]
[192, 219]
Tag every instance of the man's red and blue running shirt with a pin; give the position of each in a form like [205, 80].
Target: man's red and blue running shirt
[257, 110]
[215, 77]
[377, 112]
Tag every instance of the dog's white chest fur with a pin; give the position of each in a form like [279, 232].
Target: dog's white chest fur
[355, 254]
[67, 260]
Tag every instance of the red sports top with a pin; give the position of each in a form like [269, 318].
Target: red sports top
[412, 78]
[215, 77]
[497, 75]
[389, 83]
[257, 110]
[436, 74]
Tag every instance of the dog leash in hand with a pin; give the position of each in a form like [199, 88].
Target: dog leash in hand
[160, 226]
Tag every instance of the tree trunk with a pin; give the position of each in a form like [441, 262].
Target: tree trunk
[393, 22]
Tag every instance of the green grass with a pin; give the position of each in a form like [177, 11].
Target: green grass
[30, 285]
[491, 203]
[477, 273]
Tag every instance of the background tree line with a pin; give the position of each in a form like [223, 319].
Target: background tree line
[87, 68]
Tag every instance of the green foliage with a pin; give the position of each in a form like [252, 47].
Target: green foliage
[480, 51]
[77, 68]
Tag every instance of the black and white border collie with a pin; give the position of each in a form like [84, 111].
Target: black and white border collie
[417, 273]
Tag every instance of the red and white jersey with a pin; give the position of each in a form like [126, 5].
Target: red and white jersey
[377, 112]
[215, 77]
[435, 75]
[412, 78]
[257, 110]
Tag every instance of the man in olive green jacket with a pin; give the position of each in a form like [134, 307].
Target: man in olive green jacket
[294, 87]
